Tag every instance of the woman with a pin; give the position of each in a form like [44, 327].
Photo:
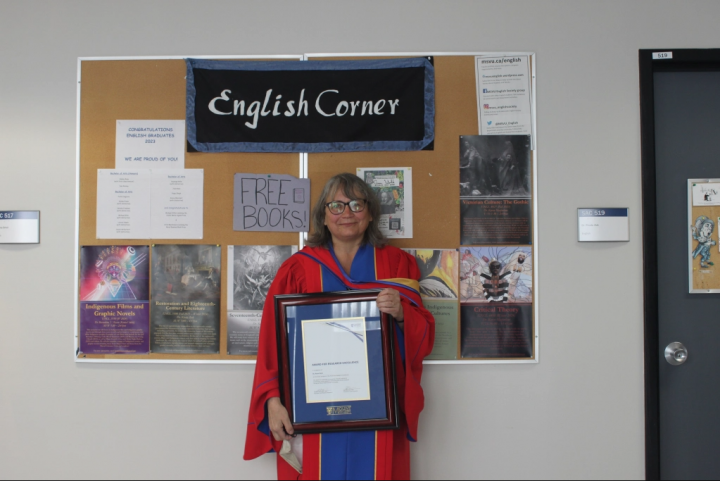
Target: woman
[346, 250]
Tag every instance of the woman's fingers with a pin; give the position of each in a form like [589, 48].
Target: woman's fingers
[280, 430]
[389, 302]
[278, 420]
[289, 430]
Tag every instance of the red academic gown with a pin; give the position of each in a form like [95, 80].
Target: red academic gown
[304, 272]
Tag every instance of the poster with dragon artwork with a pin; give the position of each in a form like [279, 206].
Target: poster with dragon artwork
[251, 270]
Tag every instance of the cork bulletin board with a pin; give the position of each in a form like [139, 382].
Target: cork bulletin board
[155, 89]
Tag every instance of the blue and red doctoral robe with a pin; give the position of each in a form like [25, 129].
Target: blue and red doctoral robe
[348, 455]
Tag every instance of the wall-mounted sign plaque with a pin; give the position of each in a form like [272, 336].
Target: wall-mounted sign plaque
[20, 227]
[603, 225]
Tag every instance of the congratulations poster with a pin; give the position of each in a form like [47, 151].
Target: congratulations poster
[186, 299]
[114, 302]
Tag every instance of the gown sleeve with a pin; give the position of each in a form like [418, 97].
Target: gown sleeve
[419, 337]
[290, 279]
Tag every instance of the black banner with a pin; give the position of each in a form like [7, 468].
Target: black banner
[315, 106]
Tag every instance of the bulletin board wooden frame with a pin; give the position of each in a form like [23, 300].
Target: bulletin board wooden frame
[116, 88]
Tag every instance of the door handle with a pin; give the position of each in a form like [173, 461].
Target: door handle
[676, 353]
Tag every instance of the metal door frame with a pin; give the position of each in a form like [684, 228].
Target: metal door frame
[666, 60]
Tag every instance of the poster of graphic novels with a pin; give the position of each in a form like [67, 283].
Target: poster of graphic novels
[703, 241]
[496, 295]
[185, 313]
[114, 300]
[495, 189]
[251, 271]
[393, 186]
[439, 291]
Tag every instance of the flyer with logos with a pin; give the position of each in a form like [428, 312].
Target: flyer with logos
[504, 94]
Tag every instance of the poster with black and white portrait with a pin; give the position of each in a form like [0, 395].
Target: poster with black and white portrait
[495, 189]
[495, 166]
[251, 271]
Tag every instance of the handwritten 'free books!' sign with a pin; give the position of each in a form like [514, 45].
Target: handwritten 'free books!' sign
[271, 203]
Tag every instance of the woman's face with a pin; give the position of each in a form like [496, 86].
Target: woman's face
[349, 226]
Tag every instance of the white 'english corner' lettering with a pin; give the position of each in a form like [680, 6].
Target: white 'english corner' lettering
[223, 96]
[317, 103]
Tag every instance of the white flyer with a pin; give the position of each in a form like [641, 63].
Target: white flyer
[150, 144]
[504, 94]
[705, 193]
[177, 204]
[150, 204]
[123, 198]
[393, 186]
[336, 360]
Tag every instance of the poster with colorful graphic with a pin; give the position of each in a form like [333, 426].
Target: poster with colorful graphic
[251, 271]
[185, 309]
[439, 291]
[496, 274]
[496, 296]
[114, 302]
[393, 186]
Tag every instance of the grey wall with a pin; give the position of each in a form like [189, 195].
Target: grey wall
[576, 414]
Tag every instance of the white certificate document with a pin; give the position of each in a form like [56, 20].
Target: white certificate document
[504, 94]
[177, 204]
[123, 198]
[336, 360]
[150, 144]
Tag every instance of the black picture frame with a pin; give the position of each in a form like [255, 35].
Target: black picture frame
[390, 421]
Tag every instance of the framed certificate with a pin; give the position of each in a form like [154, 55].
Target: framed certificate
[336, 362]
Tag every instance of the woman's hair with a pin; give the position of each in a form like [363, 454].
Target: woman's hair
[354, 188]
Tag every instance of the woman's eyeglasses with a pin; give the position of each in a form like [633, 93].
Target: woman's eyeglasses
[337, 207]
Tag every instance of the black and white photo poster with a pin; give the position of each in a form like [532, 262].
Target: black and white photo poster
[251, 271]
[495, 189]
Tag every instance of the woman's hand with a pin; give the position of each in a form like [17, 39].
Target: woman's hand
[279, 421]
[388, 301]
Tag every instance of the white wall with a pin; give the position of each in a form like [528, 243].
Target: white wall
[576, 414]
